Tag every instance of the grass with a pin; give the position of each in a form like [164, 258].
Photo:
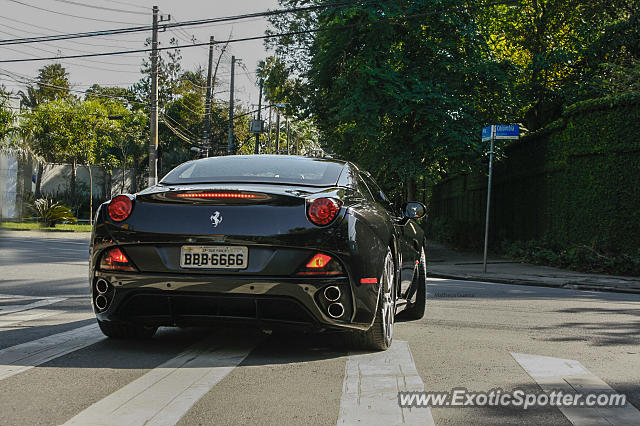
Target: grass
[34, 226]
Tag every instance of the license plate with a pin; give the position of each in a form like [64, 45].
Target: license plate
[214, 257]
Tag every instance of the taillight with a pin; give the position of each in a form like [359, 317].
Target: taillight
[322, 211]
[319, 261]
[321, 264]
[115, 260]
[120, 208]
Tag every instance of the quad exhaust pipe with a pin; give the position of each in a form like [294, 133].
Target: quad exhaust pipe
[101, 302]
[332, 293]
[102, 286]
[335, 310]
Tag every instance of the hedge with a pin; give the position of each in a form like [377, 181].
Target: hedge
[575, 182]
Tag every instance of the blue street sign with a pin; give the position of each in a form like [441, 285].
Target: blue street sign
[507, 131]
[486, 133]
[503, 131]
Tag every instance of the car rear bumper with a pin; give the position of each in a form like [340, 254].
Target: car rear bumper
[179, 299]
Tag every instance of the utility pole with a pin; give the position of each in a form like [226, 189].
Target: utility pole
[257, 150]
[153, 143]
[277, 130]
[288, 135]
[297, 145]
[269, 142]
[207, 103]
[230, 147]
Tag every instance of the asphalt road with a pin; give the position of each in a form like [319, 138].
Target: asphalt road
[56, 367]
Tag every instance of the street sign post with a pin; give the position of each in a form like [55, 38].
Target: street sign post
[491, 133]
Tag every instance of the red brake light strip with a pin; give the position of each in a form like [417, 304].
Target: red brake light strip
[368, 281]
[215, 195]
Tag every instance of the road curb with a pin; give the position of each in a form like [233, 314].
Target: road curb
[569, 286]
[63, 235]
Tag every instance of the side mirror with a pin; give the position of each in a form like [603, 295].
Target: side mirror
[414, 210]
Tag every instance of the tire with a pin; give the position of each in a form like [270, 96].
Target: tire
[380, 335]
[126, 330]
[416, 310]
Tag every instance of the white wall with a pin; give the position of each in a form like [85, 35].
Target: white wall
[57, 178]
[8, 185]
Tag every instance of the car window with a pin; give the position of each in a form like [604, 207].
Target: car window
[376, 192]
[364, 189]
[257, 169]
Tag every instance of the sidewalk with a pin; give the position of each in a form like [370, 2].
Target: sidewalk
[447, 263]
[45, 234]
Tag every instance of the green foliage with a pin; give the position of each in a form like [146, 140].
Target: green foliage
[51, 212]
[169, 71]
[457, 233]
[575, 183]
[52, 84]
[563, 51]
[7, 117]
[77, 200]
[578, 257]
[401, 97]
[280, 86]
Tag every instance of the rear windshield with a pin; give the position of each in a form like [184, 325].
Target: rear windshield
[257, 169]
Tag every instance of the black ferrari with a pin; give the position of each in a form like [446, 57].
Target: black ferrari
[277, 240]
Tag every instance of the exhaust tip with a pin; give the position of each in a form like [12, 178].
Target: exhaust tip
[101, 302]
[335, 310]
[102, 286]
[332, 293]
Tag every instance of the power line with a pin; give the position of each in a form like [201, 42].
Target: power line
[13, 20]
[87, 66]
[124, 52]
[60, 49]
[128, 4]
[23, 79]
[187, 136]
[262, 37]
[100, 7]
[175, 24]
[73, 16]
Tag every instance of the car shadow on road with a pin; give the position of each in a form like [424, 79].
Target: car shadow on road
[281, 347]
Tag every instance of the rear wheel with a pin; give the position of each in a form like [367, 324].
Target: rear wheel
[380, 334]
[126, 330]
[416, 310]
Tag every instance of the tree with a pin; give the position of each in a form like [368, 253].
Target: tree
[7, 116]
[51, 84]
[280, 86]
[80, 133]
[564, 50]
[401, 87]
[128, 128]
[169, 72]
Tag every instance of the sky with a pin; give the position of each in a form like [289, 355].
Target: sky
[25, 18]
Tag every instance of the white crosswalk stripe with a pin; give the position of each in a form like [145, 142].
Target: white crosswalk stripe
[166, 393]
[570, 376]
[9, 309]
[371, 385]
[19, 358]
[22, 316]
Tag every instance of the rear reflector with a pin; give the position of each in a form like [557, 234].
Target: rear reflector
[209, 195]
[321, 264]
[115, 260]
[368, 281]
[319, 261]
